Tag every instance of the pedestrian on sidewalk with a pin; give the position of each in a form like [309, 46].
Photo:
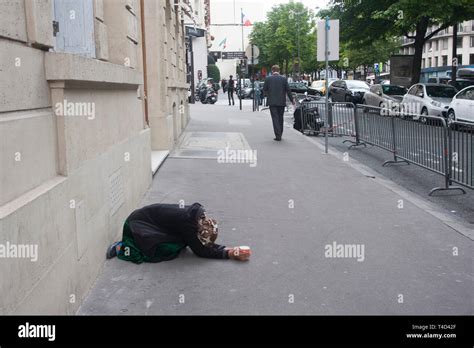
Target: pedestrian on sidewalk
[159, 232]
[276, 89]
[256, 87]
[230, 89]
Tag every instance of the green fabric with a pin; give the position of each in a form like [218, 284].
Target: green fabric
[130, 252]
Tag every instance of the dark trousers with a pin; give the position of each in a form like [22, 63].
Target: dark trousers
[230, 94]
[277, 118]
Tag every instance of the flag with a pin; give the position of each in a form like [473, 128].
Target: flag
[223, 42]
[245, 21]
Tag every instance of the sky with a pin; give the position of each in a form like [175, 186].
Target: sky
[225, 12]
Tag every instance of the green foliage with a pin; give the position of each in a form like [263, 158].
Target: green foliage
[277, 38]
[213, 72]
[363, 23]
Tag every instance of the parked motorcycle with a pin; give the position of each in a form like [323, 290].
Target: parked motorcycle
[208, 96]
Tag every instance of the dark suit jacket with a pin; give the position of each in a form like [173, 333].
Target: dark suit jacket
[276, 89]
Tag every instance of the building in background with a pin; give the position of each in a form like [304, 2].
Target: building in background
[198, 40]
[85, 105]
[437, 51]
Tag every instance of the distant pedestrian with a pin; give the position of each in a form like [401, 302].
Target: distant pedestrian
[256, 87]
[230, 89]
[224, 85]
[276, 89]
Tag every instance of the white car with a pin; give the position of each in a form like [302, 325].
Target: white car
[425, 99]
[461, 107]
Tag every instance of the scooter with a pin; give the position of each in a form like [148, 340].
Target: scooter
[209, 97]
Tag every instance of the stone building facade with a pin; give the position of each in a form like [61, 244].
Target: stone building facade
[90, 91]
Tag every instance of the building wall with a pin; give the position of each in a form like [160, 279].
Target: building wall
[200, 57]
[168, 111]
[69, 179]
[441, 46]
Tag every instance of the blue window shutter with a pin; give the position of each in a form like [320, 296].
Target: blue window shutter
[76, 27]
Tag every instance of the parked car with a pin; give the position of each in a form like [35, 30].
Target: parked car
[351, 91]
[387, 96]
[246, 87]
[319, 87]
[441, 80]
[428, 99]
[461, 83]
[247, 91]
[461, 107]
[298, 87]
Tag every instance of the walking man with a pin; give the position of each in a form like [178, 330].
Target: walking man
[230, 89]
[276, 89]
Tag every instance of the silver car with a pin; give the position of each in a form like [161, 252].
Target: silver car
[428, 99]
[386, 96]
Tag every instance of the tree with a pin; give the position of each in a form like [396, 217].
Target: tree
[213, 72]
[369, 20]
[277, 38]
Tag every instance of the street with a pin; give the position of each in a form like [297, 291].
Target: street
[409, 143]
[295, 209]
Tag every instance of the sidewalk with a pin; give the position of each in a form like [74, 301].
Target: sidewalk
[407, 252]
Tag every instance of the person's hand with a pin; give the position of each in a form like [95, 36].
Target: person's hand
[236, 254]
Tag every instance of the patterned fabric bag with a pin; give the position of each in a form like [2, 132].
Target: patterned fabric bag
[207, 230]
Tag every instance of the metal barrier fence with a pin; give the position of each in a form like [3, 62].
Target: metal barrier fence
[340, 116]
[461, 146]
[435, 145]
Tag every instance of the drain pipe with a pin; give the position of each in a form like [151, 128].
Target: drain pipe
[145, 79]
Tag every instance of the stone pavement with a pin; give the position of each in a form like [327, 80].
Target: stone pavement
[294, 207]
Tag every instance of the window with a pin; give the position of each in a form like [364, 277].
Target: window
[424, 48]
[441, 91]
[459, 57]
[423, 63]
[429, 62]
[76, 34]
[469, 94]
[472, 41]
[436, 45]
[445, 44]
[413, 89]
[459, 42]
[436, 62]
[445, 60]
[419, 91]
[471, 59]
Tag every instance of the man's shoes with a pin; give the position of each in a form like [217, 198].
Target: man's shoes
[277, 138]
[113, 250]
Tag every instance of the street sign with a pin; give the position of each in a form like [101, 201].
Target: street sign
[233, 55]
[248, 52]
[333, 40]
[216, 54]
[197, 32]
